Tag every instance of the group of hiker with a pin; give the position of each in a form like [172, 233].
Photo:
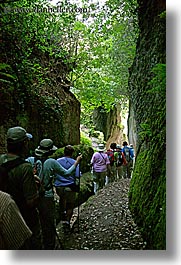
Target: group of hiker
[112, 164]
[27, 187]
[29, 184]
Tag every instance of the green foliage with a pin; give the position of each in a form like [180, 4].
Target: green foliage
[106, 48]
[23, 120]
[6, 76]
[35, 33]
[145, 132]
[87, 51]
[163, 15]
[84, 140]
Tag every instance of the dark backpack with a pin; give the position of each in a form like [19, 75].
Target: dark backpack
[5, 169]
[127, 153]
[110, 154]
[119, 161]
[39, 182]
[39, 179]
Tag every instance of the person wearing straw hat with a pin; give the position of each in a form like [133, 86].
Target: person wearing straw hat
[50, 168]
[100, 164]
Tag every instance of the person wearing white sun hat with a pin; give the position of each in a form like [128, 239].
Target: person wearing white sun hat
[100, 164]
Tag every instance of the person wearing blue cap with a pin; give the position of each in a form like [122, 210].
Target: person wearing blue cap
[21, 183]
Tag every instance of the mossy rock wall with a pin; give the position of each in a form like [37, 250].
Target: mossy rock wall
[110, 124]
[60, 122]
[147, 195]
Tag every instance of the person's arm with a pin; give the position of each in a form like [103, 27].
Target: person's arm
[77, 173]
[109, 170]
[131, 153]
[124, 159]
[92, 159]
[66, 172]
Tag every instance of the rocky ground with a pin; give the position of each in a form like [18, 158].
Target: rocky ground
[105, 223]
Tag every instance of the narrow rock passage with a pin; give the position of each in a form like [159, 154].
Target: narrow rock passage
[105, 222]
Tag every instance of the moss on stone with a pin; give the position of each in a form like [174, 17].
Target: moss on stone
[147, 198]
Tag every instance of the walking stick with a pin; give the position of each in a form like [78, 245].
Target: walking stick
[57, 236]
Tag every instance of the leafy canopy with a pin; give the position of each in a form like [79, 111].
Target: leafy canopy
[93, 42]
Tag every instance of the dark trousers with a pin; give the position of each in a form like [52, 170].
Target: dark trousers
[127, 170]
[99, 180]
[66, 202]
[31, 217]
[47, 219]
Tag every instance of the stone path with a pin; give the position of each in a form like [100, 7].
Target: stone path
[105, 222]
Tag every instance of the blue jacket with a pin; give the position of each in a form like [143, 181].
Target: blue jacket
[62, 181]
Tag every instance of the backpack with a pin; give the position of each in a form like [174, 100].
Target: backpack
[127, 153]
[37, 166]
[119, 161]
[110, 154]
[37, 169]
[38, 172]
[5, 169]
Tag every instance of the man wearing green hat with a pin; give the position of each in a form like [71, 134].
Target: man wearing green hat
[21, 183]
